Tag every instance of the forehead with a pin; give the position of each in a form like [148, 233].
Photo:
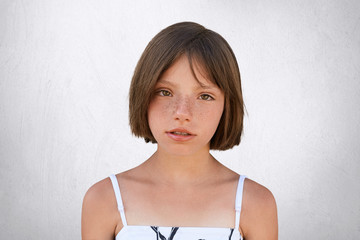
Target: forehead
[187, 68]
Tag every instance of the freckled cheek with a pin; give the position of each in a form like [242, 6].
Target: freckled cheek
[204, 113]
[163, 110]
[160, 109]
[208, 113]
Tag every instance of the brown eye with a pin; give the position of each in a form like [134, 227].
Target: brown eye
[164, 93]
[206, 97]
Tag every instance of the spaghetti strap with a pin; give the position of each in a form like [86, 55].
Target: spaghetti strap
[119, 201]
[238, 200]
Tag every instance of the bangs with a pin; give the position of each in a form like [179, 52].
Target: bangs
[210, 60]
[198, 63]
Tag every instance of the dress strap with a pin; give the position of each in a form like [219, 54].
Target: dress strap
[238, 200]
[119, 201]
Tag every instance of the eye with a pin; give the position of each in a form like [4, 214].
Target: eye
[164, 93]
[206, 97]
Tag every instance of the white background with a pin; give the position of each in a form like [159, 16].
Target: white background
[65, 70]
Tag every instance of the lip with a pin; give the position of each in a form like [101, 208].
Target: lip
[180, 138]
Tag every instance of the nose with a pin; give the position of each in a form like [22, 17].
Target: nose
[183, 109]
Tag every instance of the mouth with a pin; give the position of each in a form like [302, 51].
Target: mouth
[180, 134]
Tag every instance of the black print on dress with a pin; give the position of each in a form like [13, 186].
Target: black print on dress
[231, 232]
[173, 231]
[159, 236]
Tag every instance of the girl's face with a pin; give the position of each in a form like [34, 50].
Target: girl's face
[183, 114]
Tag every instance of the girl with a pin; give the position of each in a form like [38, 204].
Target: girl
[186, 97]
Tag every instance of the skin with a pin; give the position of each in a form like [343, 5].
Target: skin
[181, 182]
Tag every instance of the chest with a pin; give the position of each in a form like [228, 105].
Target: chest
[179, 206]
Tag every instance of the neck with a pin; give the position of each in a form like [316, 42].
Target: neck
[179, 169]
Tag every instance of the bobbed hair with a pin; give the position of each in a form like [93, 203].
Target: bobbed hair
[206, 49]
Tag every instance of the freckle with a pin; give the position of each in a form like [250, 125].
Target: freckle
[167, 106]
[203, 115]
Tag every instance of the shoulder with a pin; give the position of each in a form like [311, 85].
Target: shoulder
[259, 212]
[99, 211]
[102, 187]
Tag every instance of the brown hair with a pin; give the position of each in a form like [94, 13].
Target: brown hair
[210, 51]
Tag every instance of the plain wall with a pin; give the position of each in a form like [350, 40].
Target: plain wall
[65, 70]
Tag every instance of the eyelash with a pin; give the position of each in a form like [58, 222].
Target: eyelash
[162, 91]
[166, 93]
[209, 97]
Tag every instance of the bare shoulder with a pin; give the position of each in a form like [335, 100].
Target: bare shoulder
[259, 212]
[99, 216]
[258, 193]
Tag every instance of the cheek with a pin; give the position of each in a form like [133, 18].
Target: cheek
[205, 115]
[210, 114]
[152, 112]
[157, 112]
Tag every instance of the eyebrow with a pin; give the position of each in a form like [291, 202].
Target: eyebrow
[163, 81]
[200, 85]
